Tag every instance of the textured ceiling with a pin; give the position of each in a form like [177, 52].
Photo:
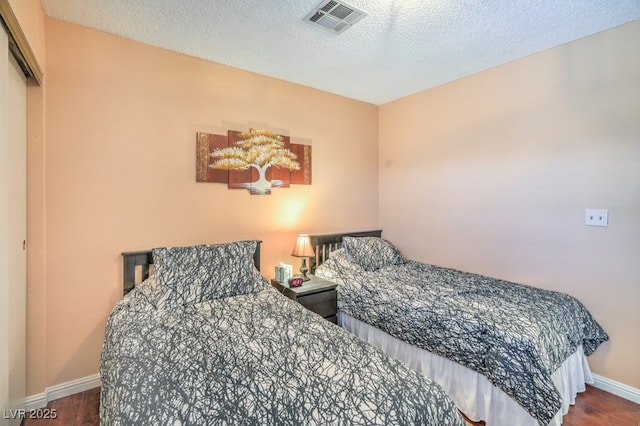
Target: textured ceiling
[401, 47]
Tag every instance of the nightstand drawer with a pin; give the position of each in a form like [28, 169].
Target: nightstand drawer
[324, 303]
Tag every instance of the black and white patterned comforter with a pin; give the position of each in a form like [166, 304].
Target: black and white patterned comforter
[515, 335]
[253, 359]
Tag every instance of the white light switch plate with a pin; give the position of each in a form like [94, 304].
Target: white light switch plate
[596, 217]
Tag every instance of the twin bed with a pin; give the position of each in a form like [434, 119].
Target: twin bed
[206, 340]
[501, 350]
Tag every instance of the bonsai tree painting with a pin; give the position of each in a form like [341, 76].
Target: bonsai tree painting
[258, 149]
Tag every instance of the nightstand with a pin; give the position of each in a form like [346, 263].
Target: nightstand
[317, 295]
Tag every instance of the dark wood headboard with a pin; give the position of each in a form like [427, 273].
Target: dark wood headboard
[326, 243]
[143, 259]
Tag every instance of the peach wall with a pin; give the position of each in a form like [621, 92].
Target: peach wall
[119, 166]
[36, 237]
[493, 173]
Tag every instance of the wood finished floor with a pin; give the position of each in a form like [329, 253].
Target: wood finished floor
[593, 408]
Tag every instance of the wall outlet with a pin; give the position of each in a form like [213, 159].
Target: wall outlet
[596, 217]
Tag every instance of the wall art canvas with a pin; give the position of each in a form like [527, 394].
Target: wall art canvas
[257, 160]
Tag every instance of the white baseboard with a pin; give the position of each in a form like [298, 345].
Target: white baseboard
[54, 392]
[617, 388]
[82, 384]
[33, 402]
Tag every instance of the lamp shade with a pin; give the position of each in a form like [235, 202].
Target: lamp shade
[303, 247]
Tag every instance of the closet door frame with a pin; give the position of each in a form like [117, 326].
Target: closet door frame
[18, 67]
[13, 231]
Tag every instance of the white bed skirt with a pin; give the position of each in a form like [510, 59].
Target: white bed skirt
[478, 399]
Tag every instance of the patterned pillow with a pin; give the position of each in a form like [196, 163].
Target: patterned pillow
[187, 275]
[338, 261]
[372, 253]
[148, 287]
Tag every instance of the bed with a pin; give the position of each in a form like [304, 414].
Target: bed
[205, 340]
[505, 352]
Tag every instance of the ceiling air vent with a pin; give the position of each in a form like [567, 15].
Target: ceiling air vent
[334, 16]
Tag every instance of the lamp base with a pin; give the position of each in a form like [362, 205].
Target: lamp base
[304, 270]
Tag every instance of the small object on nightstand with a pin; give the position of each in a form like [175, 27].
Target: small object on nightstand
[295, 281]
[283, 272]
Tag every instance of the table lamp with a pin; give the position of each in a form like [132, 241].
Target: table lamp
[303, 249]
